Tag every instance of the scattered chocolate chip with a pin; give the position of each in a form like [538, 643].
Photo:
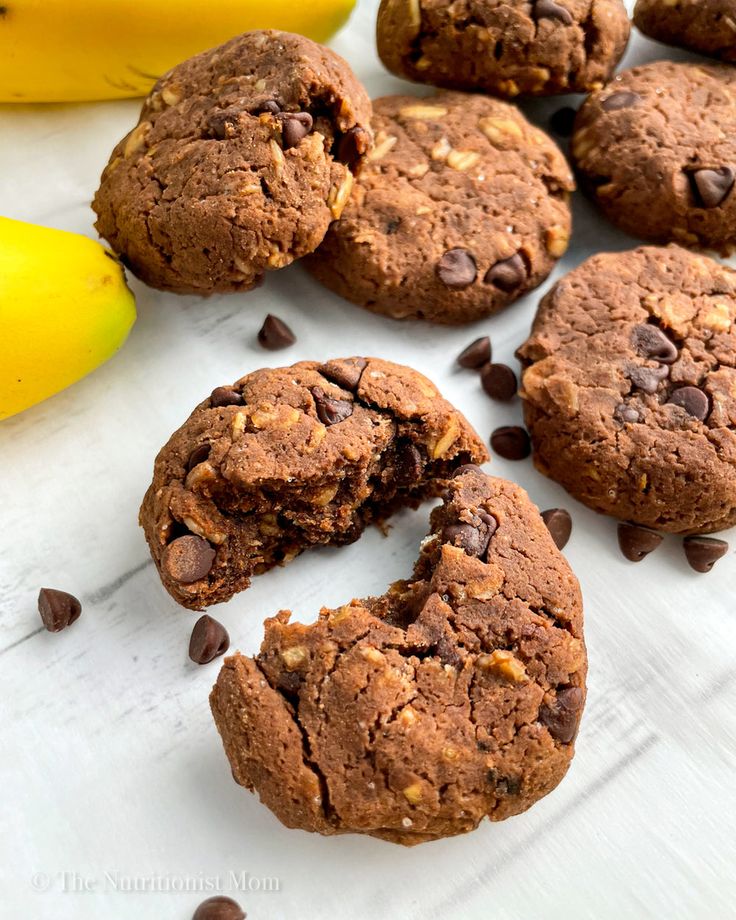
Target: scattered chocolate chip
[353, 146]
[197, 456]
[187, 559]
[505, 785]
[637, 542]
[58, 609]
[209, 640]
[392, 226]
[330, 411]
[562, 122]
[499, 381]
[559, 524]
[703, 552]
[711, 187]
[270, 106]
[457, 269]
[508, 274]
[219, 908]
[561, 719]
[221, 125]
[466, 468]
[408, 464]
[295, 126]
[345, 374]
[225, 396]
[620, 100]
[275, 334]
[476, 354]
[693, 400]
[473, 536]
[511, 442]
[648, 379]
[549, 9]
[625, 413]
[652, 343]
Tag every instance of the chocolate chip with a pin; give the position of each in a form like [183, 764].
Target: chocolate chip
[221, 125]
[652, 343]
[353, 145]
[637, 542]
[562, 717]
[345, 374]
[693, 400]
[466, 468]
[511, 442]
[270, 106]
[408, 464]
[703, 552]
[559, 524]
[219, 908]
[562, 122]
[508, 274]
[225, 396]
[197, 456]
[476, 354]
[295, 126]
[330, 411]
[499, 381]
[648, 379]
[457, 269]
[187, 559]
[209, 640]
[473, 536]
[58, 609]
[505, 785]
[711, 187]
[275, 334]
[625, 413]
[621, 100]
[549, 9]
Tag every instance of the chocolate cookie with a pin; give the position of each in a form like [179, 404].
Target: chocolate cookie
[504, 47]
[455, 696]
[656, 149]
[241, 158]
[294, 457]
[629, 388]
[706, 26]
[461, 208]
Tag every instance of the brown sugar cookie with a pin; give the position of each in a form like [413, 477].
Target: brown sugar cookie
[504, 47]
[241, 158]
[413, 716]
[629, 388]
[461, 208]
[705, 26]
[293, 457]
[656, 150]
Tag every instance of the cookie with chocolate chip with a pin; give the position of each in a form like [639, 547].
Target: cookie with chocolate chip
[629, 388]
[241, 158]
[705, 26]
[656, 150]
[504, 47]
[294, 457]
[461, 208]
[455, 696]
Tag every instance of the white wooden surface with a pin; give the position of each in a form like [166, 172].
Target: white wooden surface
[111, 772]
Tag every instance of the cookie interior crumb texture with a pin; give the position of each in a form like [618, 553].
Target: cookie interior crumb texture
[455, 696]
[295, 457]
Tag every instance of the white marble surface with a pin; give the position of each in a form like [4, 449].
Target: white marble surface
[111, 771]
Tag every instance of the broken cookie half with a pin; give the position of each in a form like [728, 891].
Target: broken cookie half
[455, 696]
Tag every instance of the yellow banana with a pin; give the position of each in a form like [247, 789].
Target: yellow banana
[82, 50]
[64, 309]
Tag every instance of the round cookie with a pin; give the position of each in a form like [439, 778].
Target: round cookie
[706, 26]
[293, 457]
[656, 150]
[629, 388]
[504, 47]
[413, 716]
[461, 208]
[242, 157]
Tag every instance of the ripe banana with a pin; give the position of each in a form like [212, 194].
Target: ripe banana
[64, 309]
[82, 50]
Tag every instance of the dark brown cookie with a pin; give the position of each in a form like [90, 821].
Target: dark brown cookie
[706, 26]
[656, 150]
[455, 696]
[630, 388]
[240, 160]
[295, 457]
[461, 209]
[504, 47]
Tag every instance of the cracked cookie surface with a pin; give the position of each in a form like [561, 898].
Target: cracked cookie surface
[706, 26]
[293, 457]
[656, 150]
[504, 47]
[629, 388]
[460, 209]
[242, 157]
[455, 696]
